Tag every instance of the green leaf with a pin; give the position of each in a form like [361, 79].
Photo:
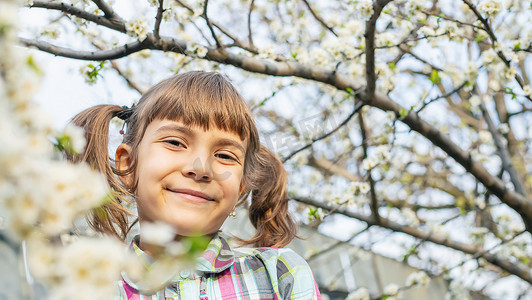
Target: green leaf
[33, 65]
[350, 91]
[403, 112]
[480, 37]
[195, 245]
[510, 91]
[435, 77]
[294, 54]
[410, 251]
[312, 212]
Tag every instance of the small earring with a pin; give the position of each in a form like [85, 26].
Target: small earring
[233, 213]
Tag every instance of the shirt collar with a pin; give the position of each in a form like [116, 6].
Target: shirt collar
[217, 257]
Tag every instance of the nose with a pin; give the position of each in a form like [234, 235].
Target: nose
[198, 169]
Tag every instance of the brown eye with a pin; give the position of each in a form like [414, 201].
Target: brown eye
[226, 156]
[175, 143]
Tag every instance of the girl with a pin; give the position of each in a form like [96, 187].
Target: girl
[190, 155]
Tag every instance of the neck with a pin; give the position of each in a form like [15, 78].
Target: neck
[155, 251]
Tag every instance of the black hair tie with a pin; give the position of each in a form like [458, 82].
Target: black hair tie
[125, 114]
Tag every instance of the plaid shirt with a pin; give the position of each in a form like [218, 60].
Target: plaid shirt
[223, 273]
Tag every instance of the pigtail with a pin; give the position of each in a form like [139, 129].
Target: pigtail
[268, 210]
[112, 218]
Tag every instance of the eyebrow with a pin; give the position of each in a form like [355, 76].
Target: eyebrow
[190, 132]
[174, 127]
[230, 142]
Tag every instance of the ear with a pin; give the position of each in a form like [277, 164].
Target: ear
[242, 186]
[123, 161]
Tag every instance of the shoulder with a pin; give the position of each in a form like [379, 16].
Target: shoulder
[289, 273]
[272, 256]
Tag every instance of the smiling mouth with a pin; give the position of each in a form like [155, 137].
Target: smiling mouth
[191, 195]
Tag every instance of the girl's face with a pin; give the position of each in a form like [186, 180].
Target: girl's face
[188, 178]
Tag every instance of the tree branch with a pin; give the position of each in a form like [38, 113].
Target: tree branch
[206, 17]
[107, 10]
[428, 236]
[115, 23]
[357, 108]
[515, 200]
[455, 90]
[374, 204]
[342, 82]
[132, 84]
[502, 151]
[158, 20]
[337, 244]
[483, 252]
[332, 168]
[224, 30]
[371, 79]
[493, 38]
[115, 53]
[318, 18]
[250, 34]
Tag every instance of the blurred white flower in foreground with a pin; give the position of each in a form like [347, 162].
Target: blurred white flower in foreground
[157, 233]
[41, 195]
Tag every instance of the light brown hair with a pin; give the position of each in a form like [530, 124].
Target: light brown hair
[201, 99]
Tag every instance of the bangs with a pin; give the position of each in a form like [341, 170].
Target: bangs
[198, 99]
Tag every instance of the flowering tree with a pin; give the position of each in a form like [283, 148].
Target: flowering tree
[409, 118]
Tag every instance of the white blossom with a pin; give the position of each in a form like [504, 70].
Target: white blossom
[382, 153]
[478, 234]
[137, 28]
[360, 294]
[315, 177]
[410, 216]
[386, 38]
[391, 289]
[475, 101]
[417, 278]
[438, 229]
[413, 6]
[353, 28]
[197, 49]
[365, 8]
[320, 56]
[504, 128]
[527, 90]
[494, 85]
[489, 56]
[509, 73]
[480, 202]
[489, 7]
[427, 31]
[50, 31]
[201, 51]
[364, 187]
[369, 163]
[300, 159]
[484, 136]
